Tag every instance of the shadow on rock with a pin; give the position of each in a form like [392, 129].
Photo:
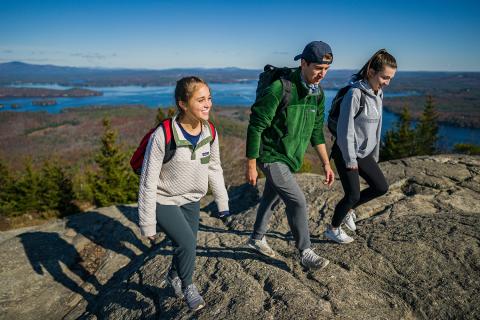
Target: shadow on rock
[242, 198]
[236, 254]
[47, 251]
[270, 234]
[131, 213]
[142, 300]
[240, 254]
[108, 233]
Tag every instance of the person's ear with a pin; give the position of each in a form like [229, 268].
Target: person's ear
[303, 63]
[370, 73]
[182, 105]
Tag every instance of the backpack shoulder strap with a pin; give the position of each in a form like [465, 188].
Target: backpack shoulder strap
[362, 104]
[213, 131]
[286, 94]
[169, 146]
[167, 130]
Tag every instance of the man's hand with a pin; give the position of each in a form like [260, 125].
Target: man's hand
[251, 173]
[352, 168]
[323, 155]
[329, 175]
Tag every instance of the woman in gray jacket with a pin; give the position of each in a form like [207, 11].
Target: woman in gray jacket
[356, 148]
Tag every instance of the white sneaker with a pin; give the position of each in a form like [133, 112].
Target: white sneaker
[350, 219]
[261, 246]
[338, 235]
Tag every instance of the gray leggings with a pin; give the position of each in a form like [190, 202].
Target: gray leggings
[180, 223]
[281, 184]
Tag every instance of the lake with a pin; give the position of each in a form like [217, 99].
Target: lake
[231, 94]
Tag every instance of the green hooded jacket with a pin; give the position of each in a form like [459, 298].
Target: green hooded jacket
[284, 137]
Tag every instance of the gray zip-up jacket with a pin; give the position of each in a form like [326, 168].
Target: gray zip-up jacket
[357, 138]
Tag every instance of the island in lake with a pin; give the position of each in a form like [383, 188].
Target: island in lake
[15, 92]
[44, 103]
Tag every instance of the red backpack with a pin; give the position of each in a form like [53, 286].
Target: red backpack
[137, 159]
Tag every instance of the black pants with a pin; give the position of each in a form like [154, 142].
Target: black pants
[367, 169]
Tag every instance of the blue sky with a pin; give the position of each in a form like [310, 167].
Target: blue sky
[422, 35]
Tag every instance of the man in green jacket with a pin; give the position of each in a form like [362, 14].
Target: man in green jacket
[278, 139]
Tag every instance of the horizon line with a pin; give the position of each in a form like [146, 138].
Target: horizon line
[210, 68]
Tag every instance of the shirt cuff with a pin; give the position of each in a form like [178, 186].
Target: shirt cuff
[148, 230]
[222, 206]
[352, 163]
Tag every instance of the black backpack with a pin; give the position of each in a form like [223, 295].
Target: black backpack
[268, 76]
[335, 109]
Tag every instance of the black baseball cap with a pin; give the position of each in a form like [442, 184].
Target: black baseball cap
[314, 52]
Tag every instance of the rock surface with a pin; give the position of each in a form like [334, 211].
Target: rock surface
[416, 255]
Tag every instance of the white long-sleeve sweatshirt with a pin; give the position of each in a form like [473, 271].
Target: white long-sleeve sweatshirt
[183, 179]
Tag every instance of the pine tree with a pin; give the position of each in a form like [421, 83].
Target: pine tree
[399, 142]
[56, 189]
[114, 182]
[7, 195]
[171, 112]
[388, 148]
[27, 190]
[427, 130]
[160, 117]
[467, 148]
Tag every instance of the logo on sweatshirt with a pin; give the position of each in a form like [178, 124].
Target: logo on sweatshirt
[206, 153]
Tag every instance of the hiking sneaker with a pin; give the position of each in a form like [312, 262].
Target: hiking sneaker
[350, 220]
[194, 300]
[338, 235]
[309, 259]
[176, 284]
[261, 246]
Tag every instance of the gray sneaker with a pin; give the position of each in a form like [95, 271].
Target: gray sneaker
[261, 246]
[338, 235]
[176, 284]
[350, 220]
[309, 259]
[194, 300]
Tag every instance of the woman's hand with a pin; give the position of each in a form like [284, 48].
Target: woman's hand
[152, 239]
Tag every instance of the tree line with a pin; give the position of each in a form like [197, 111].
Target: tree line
[406, 140]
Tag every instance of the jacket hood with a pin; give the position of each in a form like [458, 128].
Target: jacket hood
[365, 87]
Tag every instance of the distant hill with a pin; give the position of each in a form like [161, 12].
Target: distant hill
[19, 72]
[412, 81]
